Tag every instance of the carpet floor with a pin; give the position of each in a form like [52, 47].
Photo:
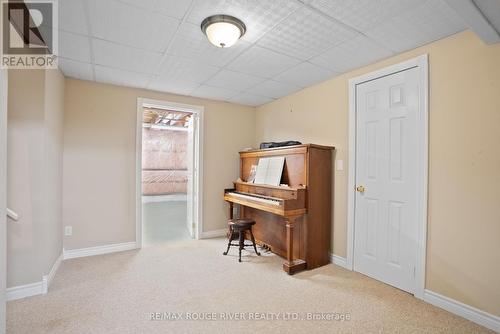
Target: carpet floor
[169, 288]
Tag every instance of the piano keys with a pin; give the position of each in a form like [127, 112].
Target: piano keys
[293, 221]
[253, 197]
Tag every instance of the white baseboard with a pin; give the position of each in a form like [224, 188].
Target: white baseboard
[468, 312]
[37, 288]
[99, 250]
[23, 291]
[214, 234]
[339, 261]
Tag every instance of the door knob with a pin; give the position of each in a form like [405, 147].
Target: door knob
[360, 189]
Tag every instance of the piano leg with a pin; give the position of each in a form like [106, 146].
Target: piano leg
[291, 266]
[231, 212]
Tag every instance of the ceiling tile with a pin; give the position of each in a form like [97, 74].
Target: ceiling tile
[351, 54]
[166, 84]
[262, 62]
[429, 22]
[144, 4]
[233, 80]
[215, 93]
[190, 42]
[120, 77]
[491, 10]
[258, 15]
[171, 8]
[304, 75]
[364, 14]
[76, 47]
[250, 99]
[273, 89]
[304, 34]
[124, 57]
[75, 69]
[121, 23]
[177, 68]
[72, 16]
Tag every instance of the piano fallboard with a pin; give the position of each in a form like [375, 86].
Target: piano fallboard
[282, 201]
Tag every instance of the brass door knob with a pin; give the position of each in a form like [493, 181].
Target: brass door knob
[360, 189]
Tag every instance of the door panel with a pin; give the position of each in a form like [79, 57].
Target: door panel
[385, 232]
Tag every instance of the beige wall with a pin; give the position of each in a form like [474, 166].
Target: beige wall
[99, 159]
[54, 115]
[463, 249]
[35, 113]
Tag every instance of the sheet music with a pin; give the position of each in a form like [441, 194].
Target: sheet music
[269, 171]
[260, 176]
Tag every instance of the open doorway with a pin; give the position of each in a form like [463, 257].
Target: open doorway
[168, 172]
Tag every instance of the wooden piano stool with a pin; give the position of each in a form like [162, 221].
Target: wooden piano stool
[237, 229]
[292, 221]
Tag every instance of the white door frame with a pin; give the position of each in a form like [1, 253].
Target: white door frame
[421, 63]
[3, 194]
[198, 147]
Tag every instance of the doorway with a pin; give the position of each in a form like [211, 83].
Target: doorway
[387, 211]
[168, 171]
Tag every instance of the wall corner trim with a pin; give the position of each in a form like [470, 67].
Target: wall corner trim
[339, 261]
[47, 279]
[37, 288]
[214, 233]
[98, 250]
[465, 311]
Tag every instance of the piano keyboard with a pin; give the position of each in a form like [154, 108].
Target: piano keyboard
[258, 198]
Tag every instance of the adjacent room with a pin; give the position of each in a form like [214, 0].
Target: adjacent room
[241, 166]
[164, 164]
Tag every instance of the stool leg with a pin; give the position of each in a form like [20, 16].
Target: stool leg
[242, 242]
[229, 242]
[253, 242]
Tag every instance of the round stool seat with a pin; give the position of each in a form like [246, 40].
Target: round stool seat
[240, 223]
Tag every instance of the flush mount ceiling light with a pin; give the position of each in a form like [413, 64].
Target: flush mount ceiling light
[223, 31]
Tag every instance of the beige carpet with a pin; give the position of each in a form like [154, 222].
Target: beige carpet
[116, 293]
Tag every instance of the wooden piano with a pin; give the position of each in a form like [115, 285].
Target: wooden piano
[292, 221]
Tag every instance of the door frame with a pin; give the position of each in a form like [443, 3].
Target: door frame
[198, 111]
[421, 63]
[3, 195]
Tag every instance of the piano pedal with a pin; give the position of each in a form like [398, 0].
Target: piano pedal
[265, 247]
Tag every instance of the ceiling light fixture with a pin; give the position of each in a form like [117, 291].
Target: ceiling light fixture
[223, 31]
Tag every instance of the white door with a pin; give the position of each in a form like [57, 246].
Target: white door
[3, 195]
[385, 228]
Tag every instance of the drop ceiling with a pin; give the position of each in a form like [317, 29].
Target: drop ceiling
[289, 44]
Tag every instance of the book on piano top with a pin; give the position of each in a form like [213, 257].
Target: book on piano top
[269, 171]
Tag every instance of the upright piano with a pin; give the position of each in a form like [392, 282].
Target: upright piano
[293, 220]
